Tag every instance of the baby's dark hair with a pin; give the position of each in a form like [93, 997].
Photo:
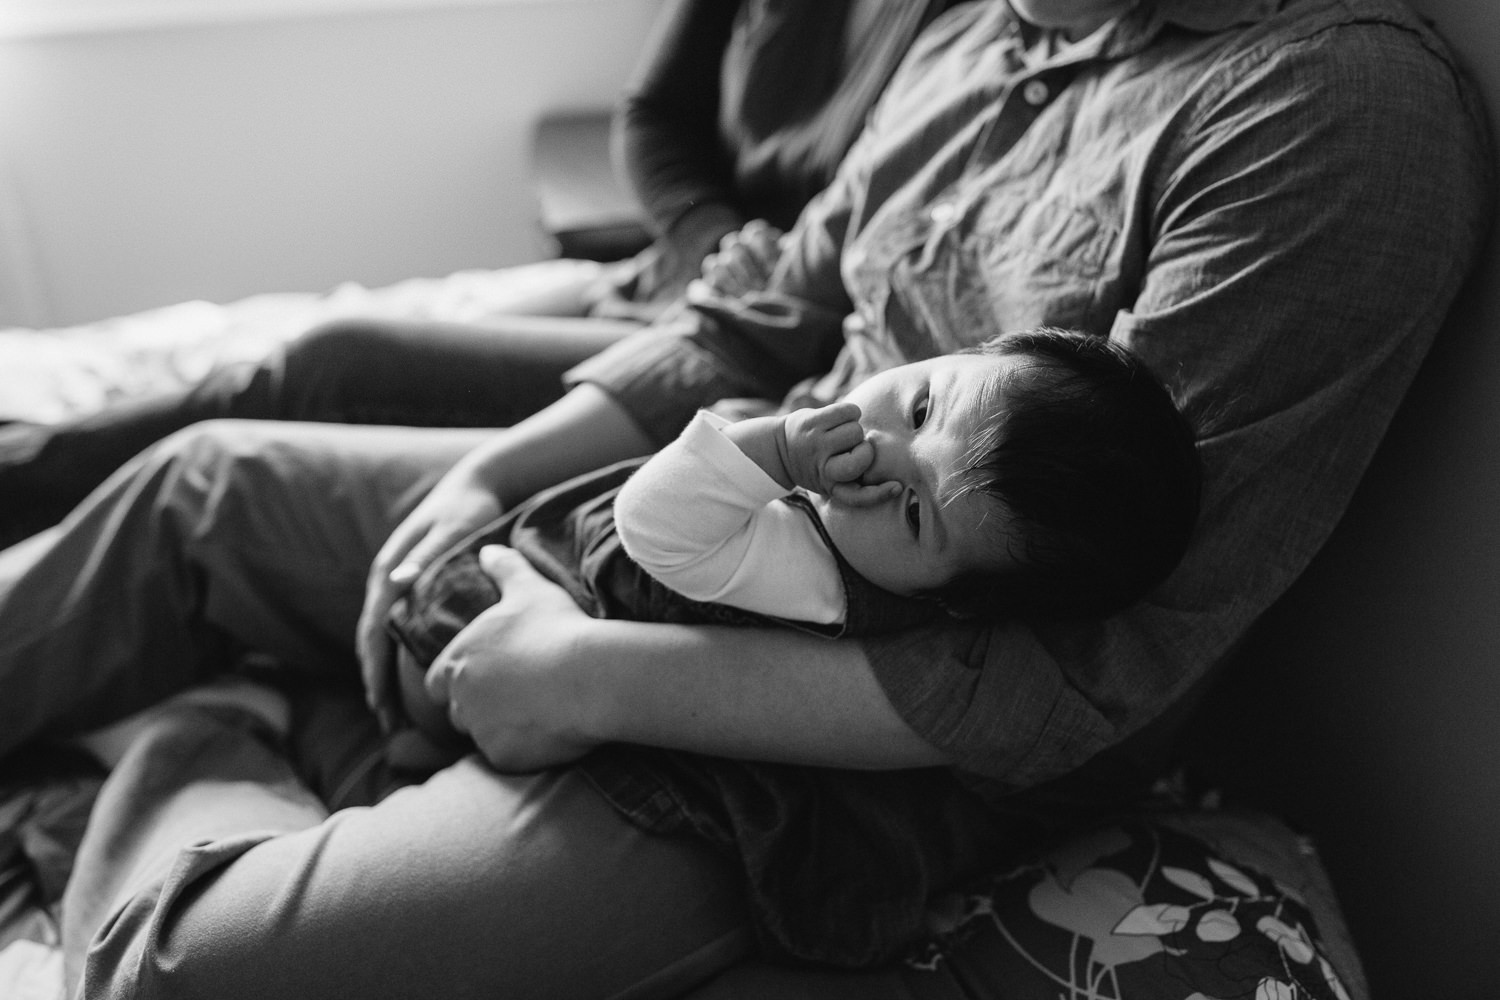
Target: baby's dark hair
[1095, 465]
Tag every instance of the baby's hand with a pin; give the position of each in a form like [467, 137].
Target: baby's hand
[824, 450]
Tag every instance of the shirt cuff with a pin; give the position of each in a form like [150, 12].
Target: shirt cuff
[659, 376]
[991, 698]
[705, 438]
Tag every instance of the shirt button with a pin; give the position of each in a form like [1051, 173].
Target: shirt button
[1036, 93]
[942, 213]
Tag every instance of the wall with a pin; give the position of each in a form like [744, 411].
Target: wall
[1367, 708]
[152, 152]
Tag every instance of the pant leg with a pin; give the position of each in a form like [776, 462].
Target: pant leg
[199, 776]
[431, 374]
[473, 884]
[231, 534]
[422, 374]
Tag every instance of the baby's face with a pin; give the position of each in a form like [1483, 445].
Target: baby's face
[922, 420]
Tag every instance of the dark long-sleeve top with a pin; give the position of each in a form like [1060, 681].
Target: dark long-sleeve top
[751, 105]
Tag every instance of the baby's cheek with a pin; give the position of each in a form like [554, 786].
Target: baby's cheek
[856, 533]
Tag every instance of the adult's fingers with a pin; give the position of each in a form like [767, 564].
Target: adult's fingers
[735, 272]
[763, 239]
[442, 680]
[384, 585]
[506, 566]
[414, 544]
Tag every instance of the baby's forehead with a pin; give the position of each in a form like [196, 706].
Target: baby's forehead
[976, 394]
[979, 368]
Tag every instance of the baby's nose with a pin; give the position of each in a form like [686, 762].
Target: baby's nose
[887, 464]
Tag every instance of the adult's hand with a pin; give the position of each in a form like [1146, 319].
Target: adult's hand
[659, 275]
[459, 504]
[502, 679]
[584, 430]
[743, 263]
[536, 682]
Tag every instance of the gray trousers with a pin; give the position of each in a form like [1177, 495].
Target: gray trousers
[209, 870]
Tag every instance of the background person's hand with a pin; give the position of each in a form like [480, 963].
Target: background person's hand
[504, 678]
[743, 263]
[458, 505]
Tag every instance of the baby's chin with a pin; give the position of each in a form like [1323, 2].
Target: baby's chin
[836, 520]
[838, 517]
[832, 514]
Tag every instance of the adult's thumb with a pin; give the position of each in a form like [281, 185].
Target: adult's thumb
[503, 563]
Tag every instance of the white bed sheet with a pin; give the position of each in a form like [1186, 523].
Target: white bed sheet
[49, 375]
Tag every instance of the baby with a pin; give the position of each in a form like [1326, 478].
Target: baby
[1044, 473]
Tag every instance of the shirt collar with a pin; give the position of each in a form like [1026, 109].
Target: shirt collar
[1137, 28]
[1213, 15]
[1142, 24]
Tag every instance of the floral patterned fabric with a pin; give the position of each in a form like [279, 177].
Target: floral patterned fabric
[1139, 910]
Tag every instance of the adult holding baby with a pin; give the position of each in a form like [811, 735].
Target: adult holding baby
[1272, 205]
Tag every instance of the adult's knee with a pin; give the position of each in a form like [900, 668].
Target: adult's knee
[340, 344]
[344, 371]
[201, 451]
[144, 915]
[339, 348]
[197, 471]
[159, 943]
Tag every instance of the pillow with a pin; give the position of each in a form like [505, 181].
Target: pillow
[1196, 905]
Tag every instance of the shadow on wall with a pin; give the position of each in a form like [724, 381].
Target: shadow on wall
[1365, 706]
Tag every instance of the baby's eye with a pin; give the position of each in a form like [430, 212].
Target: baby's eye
[914, 516]
[919, 411]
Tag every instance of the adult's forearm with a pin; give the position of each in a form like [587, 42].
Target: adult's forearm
[583, 431]
[765, 694]
[667, 126]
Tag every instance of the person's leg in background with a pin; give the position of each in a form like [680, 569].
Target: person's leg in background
[419, 374]
[230, 535]
[208, 871]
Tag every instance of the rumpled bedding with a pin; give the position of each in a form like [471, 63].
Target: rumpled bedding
[57, 374]
[49, 375]
[45, 797]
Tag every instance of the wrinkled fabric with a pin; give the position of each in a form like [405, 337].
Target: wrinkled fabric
[237, 883]
[731, 111]
[208, 867]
